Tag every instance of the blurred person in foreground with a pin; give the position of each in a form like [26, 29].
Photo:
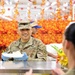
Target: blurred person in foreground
[34, 48]
[69, 49]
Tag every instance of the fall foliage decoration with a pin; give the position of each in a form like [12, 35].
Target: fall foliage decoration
[50, 32]
[61, 57]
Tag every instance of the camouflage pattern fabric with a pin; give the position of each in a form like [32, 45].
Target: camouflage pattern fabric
[70, 72]
[34, 48]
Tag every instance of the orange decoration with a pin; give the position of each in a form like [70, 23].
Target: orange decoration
[16, 12]
[7, 32]
[3, 11]
[43, 2]
[42, 13]
[52, 31]
[71, 9]
[34, 2]
[2, 3]
[29, 14]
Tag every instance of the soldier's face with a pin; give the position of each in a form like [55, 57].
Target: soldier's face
[25, 33]
[34, 30]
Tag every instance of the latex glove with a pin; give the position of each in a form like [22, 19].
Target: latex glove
[57, 71]
[29, 72]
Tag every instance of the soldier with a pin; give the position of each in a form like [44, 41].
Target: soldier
[35, 27]
[34, 48]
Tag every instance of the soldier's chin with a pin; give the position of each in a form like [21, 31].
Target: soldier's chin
[25, 38]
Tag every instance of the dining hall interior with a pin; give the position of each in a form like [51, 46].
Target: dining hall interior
[52, 15]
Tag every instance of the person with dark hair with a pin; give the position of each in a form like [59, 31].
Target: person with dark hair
[69, 49]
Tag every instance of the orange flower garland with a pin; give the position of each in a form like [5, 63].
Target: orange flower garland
[51, 31]
[7, 32]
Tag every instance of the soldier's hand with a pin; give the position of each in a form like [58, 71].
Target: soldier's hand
[57, 71]
[29, 72]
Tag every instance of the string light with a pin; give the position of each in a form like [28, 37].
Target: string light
[16, 12]
[2, 5]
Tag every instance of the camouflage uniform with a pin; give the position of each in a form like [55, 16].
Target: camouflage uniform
[70, 72]
[34, 48]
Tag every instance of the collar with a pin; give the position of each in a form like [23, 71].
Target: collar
[27, 44]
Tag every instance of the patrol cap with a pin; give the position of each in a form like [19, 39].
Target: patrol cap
[24, 25]
[35, 25]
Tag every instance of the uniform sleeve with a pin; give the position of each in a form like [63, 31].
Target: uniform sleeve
[42, 52]
[9, 48]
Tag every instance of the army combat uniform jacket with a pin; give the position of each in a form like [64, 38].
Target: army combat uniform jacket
[34, 48]
[70, 72]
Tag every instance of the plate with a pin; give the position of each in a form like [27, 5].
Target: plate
[16, 54]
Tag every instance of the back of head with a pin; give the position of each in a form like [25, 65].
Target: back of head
[70, 32]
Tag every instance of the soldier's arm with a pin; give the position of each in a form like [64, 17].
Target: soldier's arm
[52, 55]
[9, 48]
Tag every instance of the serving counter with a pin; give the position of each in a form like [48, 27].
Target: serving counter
[23, 66]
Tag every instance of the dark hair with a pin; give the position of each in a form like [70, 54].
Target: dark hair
[70, 33]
